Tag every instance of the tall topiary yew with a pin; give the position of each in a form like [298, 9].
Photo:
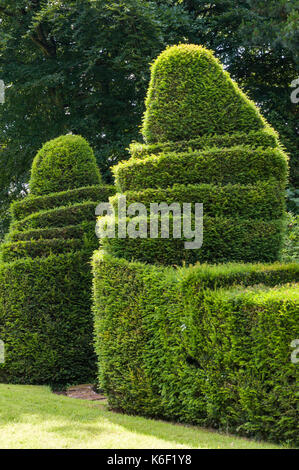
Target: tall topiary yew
[206, 142]
[45, 280]
[200, 344]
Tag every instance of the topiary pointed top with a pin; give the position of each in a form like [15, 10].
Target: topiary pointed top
[190, 95]
[67, 162]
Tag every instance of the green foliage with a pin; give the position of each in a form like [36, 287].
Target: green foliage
[200, 277]
[172, 343]
[59, 217]
[11, 251]
[257, 41]
[241, 222]
[224, 240]
[178, 106]
[44, 320]
[263, 201]
[72, 231]
[82, 66]
[251, 379]
[264, 138]
[291, 243]
[28, 205]
[64, 163]
[215, 166]
[293, 200]
[239, 173]
[79, 67]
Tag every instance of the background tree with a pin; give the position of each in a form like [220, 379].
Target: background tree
[81, 66]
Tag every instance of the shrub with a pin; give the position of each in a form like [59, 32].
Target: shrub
[45, 318]
[174, 344]
[64, 163]
[85, 229]
[251, 379]
[202, 344]
[263, 201]
[291, 242]
[11, 251]
[225, 239]
[185, 81]
[205, 143]
[28, 205]
[264, 138]
[215, 166]
[59, 217]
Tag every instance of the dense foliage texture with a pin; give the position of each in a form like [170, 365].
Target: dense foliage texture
[291, 242]
[204, 344]
[208, 143]
[45, 278]
[67, 162]
[189, 95]
[257, 41]
[199, 345]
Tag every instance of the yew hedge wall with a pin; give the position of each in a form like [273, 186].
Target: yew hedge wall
[199, 345]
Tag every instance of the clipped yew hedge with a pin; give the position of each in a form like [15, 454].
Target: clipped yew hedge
[264, 138]
[207, 344]
[38, 248]
[217, 166]
[198, 345]
[190, 95]
[58, 217]
[265, 201]
[205, 142]
[64, 163]
[224, 240]
[26, 206]
[80, 231]
[45, 320]
[45, 292]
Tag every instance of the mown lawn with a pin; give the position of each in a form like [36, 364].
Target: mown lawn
[33, 417]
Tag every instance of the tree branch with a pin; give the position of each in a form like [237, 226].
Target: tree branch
[7, 13]
[41, 42]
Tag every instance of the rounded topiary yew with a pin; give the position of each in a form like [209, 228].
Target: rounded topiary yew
[45, 279]
[64, 163]
[206, 142]
[190, 95]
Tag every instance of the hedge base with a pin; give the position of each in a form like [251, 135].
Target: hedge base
[174, 344]
[45, 320]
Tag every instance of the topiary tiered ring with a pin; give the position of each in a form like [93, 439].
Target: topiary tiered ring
[206, 142]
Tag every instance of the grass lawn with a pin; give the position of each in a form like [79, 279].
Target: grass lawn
[33, 417]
